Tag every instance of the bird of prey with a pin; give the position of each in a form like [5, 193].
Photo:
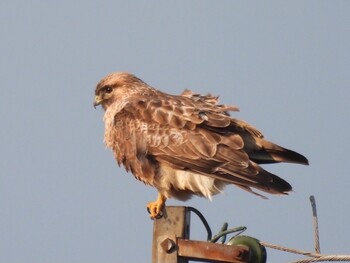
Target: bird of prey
[186, 144]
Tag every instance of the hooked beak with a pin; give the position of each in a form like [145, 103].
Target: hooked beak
[98, 100]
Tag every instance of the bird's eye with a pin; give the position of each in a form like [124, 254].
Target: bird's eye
[108, 89]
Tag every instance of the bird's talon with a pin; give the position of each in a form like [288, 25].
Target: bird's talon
[155, 209]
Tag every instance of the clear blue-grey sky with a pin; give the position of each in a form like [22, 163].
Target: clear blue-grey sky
[284, 63]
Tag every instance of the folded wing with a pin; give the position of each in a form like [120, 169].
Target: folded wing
[192, 132]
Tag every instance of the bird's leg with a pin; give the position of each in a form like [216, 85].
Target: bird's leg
[155, 208]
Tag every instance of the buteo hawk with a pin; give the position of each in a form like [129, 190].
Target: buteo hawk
[187, 144]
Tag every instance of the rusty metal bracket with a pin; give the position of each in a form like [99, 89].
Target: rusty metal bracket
[201, 250]
[171, 242]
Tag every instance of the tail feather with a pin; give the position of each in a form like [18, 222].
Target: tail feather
[276, 185]
[272, 153]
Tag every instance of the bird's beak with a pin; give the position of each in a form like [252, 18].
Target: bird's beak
[98, 100]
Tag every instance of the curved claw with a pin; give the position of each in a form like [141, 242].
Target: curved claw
[155, 208]
[154, 215]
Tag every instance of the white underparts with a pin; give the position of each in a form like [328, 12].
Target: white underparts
[198, 184]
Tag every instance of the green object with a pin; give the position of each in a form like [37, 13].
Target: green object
[257, 251]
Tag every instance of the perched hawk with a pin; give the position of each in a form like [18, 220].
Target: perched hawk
[187, 144]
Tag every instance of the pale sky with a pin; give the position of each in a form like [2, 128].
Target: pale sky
[284, 63]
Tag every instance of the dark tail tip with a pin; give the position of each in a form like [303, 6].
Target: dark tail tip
[294, 157]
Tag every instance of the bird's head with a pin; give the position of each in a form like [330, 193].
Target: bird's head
[114, 86]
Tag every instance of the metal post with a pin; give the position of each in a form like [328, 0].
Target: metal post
[171, 242]
[174, 224]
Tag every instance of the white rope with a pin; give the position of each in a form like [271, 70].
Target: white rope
[324, 258]
[312, 257]
[290, 250]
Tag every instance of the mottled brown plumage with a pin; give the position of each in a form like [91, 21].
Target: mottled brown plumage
[185, 145]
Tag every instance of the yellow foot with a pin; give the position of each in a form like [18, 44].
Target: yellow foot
[155, 208]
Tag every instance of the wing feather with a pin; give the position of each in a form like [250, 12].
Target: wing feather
[194, 133]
